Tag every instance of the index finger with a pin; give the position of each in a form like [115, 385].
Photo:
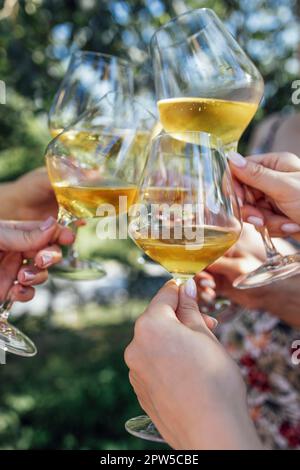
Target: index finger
[278, 161]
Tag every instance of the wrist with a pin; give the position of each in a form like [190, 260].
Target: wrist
[223, 428]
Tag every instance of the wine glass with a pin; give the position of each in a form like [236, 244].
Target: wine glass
[94, 170]
[186, 214]
[206, 82]
[89, 77]
[11, 338]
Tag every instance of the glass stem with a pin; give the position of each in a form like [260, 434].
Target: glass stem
[180, 278]
[5, 308]
[65, 219]
[271, 251]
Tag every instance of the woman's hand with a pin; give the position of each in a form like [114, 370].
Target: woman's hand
[30, 197]
[37, 242]
[184, 379]
[273, 195]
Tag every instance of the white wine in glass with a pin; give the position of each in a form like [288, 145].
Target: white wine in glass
[90, 76]
[226, 119]
[186, 214]
[206, 82]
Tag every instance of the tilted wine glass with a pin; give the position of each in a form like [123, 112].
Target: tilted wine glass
[206, 82]
[186, 214]
[89, 77]
[91, 169]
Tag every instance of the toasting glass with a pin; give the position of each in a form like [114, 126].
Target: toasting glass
[186, 214]
[90, 76]
[95, 165]
[206, 82]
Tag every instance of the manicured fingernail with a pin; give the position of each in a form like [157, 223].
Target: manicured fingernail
[255, 221]
[290, 228]
[208, 298]
[240, 202]
[47, 224]
[28, 276]
[237, 159]
[207, 283]
[46, 259]
[190, 288]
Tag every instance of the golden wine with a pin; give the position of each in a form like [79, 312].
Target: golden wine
[187, 257]
[82, 201]
[169, 195]
[225, 119]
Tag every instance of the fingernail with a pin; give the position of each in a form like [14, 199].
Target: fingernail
[237, 159]
[28, 276]
[215, 322]
[240, 202]
[47, 224]
[46, 260]
[290, 228]
[255, 221]
[208, 298]
[190, 288]
[207, 283]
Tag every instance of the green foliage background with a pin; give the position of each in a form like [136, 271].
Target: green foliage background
[75, 393]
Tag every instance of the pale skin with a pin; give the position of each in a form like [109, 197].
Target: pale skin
[268, 187]
[30, 197]
[184, 379]
[37, 242]
[189, 396]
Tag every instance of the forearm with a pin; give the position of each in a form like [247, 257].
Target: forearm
[225, 429]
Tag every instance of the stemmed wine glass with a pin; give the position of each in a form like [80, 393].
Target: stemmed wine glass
[89, 77]
[94, 170]
[11, 338]
[186, 214]
[206, 82]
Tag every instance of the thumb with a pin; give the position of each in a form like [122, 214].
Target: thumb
[30, 236]
[256, 175]
[188, 311]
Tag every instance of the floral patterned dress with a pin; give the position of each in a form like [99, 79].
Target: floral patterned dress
[262, 346]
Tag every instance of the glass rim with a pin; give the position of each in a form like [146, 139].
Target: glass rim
[133, 99]
[120, 60]
[171, 135]
[178, 17]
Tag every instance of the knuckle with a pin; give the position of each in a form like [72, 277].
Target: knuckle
[129, 355]
[143, 327]
[256, 171]
[27, 237]
[188, 307]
